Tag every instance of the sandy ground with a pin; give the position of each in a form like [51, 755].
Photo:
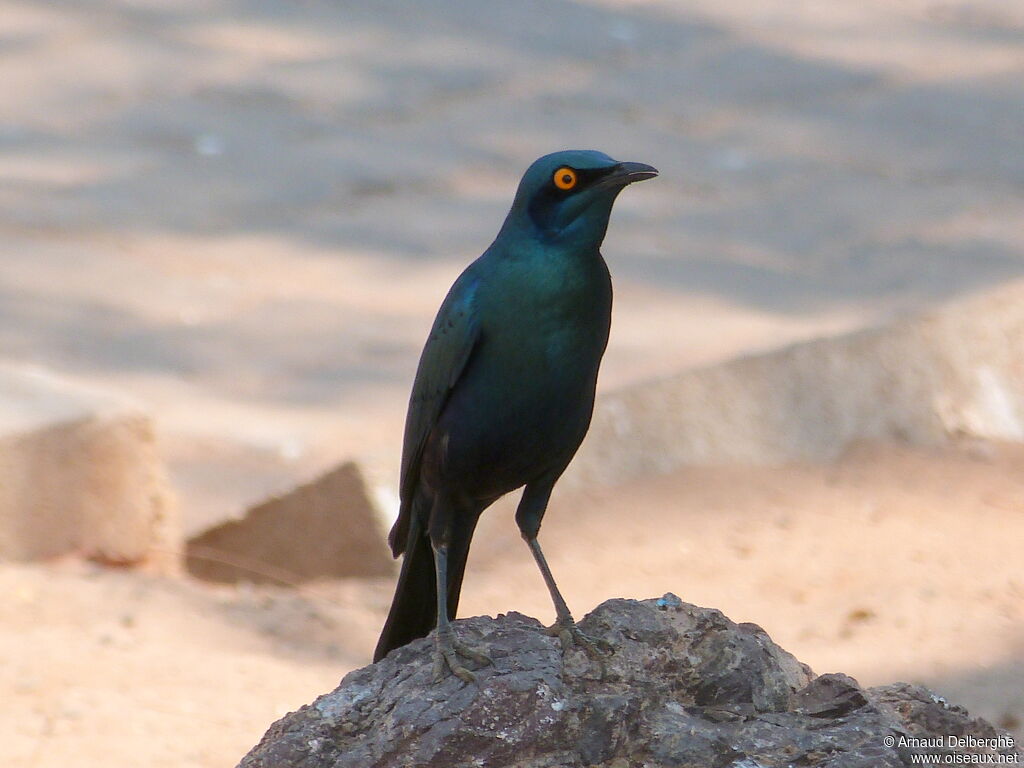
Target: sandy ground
[244, 215]
[878, 566]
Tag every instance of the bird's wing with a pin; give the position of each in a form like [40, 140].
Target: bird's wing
[452, 339]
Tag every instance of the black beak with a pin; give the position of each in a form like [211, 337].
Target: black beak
[626, 173]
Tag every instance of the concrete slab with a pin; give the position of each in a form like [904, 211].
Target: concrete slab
[323, 529]
[954, 372]
[80, 473]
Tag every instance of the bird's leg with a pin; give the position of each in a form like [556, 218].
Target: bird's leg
[565, 628]
[447, 648]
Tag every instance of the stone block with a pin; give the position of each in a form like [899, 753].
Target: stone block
[326, 528]
[956, 371]
[80, 473]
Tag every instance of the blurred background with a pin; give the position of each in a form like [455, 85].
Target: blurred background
[226, 226]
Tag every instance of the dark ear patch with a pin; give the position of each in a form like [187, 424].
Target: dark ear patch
[546, 200]
[543, 205]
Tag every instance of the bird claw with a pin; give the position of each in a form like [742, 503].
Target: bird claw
[447, 649]
[570, 635]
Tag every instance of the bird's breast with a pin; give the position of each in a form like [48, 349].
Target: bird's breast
[556, 329]
[524, 401]
[544, 342]
[556, 297]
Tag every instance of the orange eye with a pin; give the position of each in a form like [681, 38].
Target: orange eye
[565, 178]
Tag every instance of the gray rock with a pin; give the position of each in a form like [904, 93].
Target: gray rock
[685, 686]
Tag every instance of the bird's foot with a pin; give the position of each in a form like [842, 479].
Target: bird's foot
[570, 635]
[447, 650]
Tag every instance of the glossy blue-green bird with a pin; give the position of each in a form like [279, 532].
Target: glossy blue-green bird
[504, 391]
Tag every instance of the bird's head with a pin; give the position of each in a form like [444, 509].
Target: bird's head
[565, 198]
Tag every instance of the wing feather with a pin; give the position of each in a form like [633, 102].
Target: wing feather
[452, 339]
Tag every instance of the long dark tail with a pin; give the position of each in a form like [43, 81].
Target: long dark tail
[413, 611]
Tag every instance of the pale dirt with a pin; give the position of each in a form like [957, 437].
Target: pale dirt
[892, 564]
[245, 217]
